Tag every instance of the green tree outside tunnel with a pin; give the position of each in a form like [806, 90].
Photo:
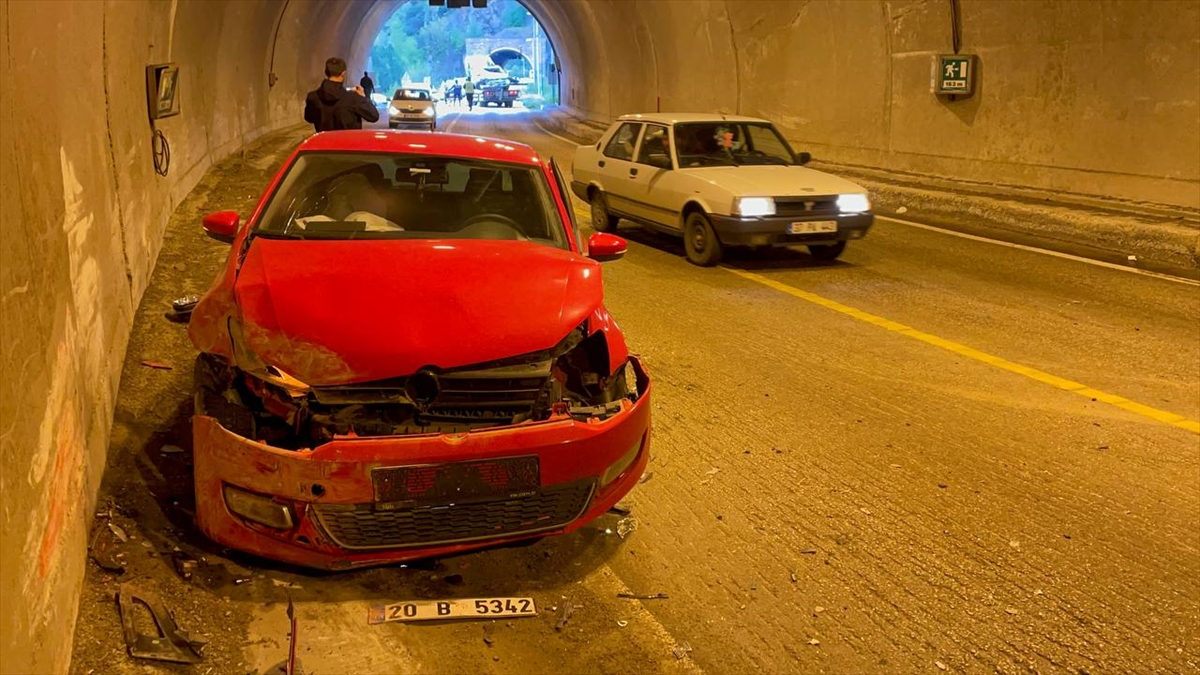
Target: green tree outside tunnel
[420, 40]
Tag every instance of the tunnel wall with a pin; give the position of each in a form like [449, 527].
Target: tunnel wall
[1097, 98]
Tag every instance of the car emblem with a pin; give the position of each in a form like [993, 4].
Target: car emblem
[808, 206]
[423, 387]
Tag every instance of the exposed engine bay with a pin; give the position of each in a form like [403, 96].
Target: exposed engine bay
[266, 404]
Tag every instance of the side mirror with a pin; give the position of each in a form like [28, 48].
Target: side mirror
[222, 225]
[603, 247]
[803, 158]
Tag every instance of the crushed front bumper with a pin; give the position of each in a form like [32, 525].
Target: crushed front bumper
[773, 230]
[338, 523]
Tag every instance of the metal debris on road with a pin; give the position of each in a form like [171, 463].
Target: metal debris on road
[157, 365]
[568, 608]
[640, 596]
[681, 650]
[171, 643]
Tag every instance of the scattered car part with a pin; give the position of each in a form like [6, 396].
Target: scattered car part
[568, 608]
[170, 644]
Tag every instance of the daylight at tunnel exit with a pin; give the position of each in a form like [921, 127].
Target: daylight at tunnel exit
[501, 337]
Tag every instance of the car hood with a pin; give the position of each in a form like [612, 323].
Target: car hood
[340, 312]
[774, 181]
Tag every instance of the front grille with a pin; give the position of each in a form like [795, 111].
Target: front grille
[366, 526]
[806, 206]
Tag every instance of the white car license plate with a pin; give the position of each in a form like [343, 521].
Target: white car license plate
[811, 226]
[461, 608]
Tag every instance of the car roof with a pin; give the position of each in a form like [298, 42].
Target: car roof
[673, 117]
[422, 143]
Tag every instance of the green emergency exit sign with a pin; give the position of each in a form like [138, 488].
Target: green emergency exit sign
[954, 74]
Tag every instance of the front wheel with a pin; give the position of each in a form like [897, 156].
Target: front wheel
[433, 127]
[700, 240]
[602, 220]
[827, 252]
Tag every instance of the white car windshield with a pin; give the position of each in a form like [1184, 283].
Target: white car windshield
[328, 195]
[411, 95]
[721, 143]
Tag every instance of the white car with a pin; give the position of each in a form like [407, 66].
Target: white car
[412, 107]
[717, 180]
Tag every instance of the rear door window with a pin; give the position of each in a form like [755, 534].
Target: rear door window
[622, 143]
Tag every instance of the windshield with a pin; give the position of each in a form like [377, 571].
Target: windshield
[721, 143]
[397, 196]
[411, 95]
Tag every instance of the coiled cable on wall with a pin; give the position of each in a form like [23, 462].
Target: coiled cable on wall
[161, 150]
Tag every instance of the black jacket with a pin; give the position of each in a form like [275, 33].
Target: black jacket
[330, 107]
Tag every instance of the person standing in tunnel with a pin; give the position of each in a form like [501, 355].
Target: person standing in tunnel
[367, 84]
[469, 90]
[331, 107]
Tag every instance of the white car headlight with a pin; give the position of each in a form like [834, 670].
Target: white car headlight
[428, 112]
[853, 203]
[754, 207]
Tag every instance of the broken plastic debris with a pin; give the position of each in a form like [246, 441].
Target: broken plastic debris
[712, 472]
[625, 526]
[118, 532]
[865, 510]
[170, 449]
[794, 579]
[567, 610]
[681, 650]
[622, 623]
[942, 665]
[646, 478]
[902, 209]
[620, 509]
[168, 643]
[818, 609]
[1012, 610]
[284, 584]
[814, 641]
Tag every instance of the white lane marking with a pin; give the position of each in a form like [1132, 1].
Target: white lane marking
[1056, 254]
[546, 131]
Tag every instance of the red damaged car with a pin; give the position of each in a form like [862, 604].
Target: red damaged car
[407, 355]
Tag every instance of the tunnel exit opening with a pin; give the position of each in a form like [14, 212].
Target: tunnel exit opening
[439, 45]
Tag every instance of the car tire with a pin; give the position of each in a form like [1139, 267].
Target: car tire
[433, 127]
[602, 219]
[508, 104]
[827, 252]
[700, 240]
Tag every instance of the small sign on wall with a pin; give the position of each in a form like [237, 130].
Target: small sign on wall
[954, 74]
[162, 90]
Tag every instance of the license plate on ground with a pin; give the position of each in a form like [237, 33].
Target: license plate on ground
[811, 226]
[463, 608]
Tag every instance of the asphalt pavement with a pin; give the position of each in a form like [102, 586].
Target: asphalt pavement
[938, 454]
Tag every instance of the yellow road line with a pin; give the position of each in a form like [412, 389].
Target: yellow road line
[983, 357]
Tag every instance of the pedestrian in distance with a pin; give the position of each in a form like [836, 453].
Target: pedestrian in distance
[469, 90]
[330, 107]
[367, 84]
